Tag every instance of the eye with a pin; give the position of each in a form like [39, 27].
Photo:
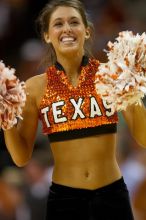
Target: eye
[74, 22]
[58, 24]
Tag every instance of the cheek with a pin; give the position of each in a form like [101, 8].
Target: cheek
[54, 34]
[81, 37]
[81, 33]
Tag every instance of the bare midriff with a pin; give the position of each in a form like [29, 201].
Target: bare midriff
[87, 163]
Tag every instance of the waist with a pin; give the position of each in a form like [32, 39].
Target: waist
[62, 190]
[89, 175]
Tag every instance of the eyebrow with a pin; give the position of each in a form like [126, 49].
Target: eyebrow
[71, 18]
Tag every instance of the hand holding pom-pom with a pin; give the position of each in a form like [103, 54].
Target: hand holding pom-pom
[122, 80]
[12, 97]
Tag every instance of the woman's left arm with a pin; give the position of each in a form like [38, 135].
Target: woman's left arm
[135, 116]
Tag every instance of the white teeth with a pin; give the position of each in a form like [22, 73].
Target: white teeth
[67, 39]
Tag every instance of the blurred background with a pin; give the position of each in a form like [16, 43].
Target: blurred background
[23, 191]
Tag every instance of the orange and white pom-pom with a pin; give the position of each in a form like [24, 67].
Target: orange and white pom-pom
[12, 97]
[122, 80]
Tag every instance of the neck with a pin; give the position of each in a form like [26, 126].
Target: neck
[71, 65]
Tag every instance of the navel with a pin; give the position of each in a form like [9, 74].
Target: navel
[87, 174]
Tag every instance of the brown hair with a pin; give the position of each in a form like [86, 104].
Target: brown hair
[44, 19]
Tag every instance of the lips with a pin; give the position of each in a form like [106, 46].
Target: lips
[68, 39]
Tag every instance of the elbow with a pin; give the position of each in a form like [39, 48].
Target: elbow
[22, 157]
[20, 162]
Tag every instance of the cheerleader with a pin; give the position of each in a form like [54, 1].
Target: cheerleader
[79, 116]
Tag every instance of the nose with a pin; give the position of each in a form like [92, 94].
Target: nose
[66, 28]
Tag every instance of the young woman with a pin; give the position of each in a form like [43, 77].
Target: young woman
[87, 182]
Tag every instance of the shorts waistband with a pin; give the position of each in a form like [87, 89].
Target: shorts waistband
[66, 190]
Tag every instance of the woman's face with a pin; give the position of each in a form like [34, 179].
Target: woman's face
[67, 31]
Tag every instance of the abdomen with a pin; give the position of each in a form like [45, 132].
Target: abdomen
[86, 162]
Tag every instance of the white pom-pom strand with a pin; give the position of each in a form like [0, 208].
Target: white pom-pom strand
[122, 80]
[12, 97]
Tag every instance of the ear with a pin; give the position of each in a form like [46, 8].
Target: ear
[87, 34]
[47, 39]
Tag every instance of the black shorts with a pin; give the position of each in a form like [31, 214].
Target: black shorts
[110, 202]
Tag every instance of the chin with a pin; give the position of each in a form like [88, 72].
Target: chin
[70, 51]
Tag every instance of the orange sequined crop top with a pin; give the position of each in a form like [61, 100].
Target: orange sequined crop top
[68, 112]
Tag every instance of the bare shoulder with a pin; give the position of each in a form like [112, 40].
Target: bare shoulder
[35, 82]
[36, 85]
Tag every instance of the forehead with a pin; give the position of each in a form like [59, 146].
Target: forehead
[64, 12]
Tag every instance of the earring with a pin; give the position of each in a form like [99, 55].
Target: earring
[48, 41]
[87, 36]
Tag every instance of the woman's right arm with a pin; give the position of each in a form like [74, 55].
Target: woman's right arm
[20, 139]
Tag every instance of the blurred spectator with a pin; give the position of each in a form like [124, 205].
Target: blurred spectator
[38, 177]
[13, 28]
[133, 171]
[11, 194]
[7, 208]
[31, 53]
[139, 201]
[129, 156]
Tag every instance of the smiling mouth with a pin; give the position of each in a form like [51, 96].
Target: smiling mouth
[68, 40]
